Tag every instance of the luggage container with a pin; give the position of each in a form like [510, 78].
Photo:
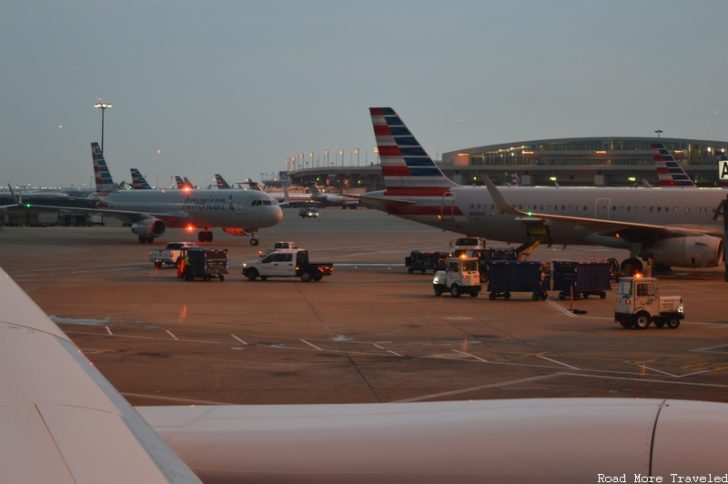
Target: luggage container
[583, 278]
[203, 263]
[506, 277]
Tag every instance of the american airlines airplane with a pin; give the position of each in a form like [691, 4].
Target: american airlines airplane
[63, 422]
[671, 226]
[150, 212]
[138, 182]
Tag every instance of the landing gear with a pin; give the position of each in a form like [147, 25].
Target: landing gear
[204, 236]
[630, 266]
[146, 240]
[253, 240]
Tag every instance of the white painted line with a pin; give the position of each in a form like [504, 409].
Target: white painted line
[238, 339]
[476, 388]
[562, 309]
[470, 355]
[557, 362]
[108, 330]
[378, 347]
[709, 349]
[310, 344]
[172, 335]
[658, 371]
[394, 353]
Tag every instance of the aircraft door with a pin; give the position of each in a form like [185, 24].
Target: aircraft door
[447, 206]
[603, 208]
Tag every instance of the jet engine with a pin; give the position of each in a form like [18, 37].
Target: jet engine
[149, 228]
[240, 231]
[692, 251]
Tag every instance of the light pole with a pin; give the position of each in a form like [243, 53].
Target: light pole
[103, 107]
[659, 132]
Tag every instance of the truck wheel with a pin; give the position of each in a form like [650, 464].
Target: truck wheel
[222, 278]
[305, 276]
[252, 274]
[507, 296]
[602, 295]
[158, 264]
[439, 290]
[642, 320]
[317, 277]
[673, 323]
[455, 290]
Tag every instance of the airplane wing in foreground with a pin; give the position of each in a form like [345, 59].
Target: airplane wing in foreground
[62, 421]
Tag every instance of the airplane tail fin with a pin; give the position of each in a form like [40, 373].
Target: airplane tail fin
[104, 182]
[138, 182]
[188, 183]
[180, 183]
[669, 171]
[220, 182]
[407, 169]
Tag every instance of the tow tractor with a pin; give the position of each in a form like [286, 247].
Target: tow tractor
[639, 303]
[460, 276]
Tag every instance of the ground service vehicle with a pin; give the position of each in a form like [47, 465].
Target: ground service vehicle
[308, 212]
[286, 263]
[170, 254]
[460, 276]
[639, 303]
[425, 261]
[203, 263]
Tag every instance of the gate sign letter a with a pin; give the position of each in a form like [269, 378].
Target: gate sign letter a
[723, 170]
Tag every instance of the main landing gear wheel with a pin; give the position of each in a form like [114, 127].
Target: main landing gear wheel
[254, 241]
[146, 240]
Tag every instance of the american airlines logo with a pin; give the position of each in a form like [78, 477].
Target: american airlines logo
[723, 170]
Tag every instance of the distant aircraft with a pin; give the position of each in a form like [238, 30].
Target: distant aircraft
[138, 182]
[183, 183]
[64, 422]
[331, 199]
[220, 182]
[150, 212]
[672, 227]
[669, 171]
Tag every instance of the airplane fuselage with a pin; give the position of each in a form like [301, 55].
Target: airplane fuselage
[205, 208]
[472, 211]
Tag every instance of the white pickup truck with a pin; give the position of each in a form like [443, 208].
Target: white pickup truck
[169, 254]
[286, 263]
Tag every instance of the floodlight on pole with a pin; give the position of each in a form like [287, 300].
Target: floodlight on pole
[103, 107]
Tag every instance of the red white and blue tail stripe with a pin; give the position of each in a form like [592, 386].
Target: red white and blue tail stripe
[406, 167]
[669, 171]
[104, 182]
[138, 182]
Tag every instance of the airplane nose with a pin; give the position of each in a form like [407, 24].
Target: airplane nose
[277, 214]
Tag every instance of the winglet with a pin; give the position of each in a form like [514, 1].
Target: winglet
[500, 200]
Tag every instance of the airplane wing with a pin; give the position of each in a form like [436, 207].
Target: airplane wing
[172, 219]
[615, 228]
[62, 421]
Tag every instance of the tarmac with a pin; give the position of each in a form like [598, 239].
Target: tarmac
[371, 332]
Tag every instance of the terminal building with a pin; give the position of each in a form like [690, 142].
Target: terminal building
[600, 161]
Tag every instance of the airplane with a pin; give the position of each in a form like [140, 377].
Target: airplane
[138, 182]
[672, 227]
[150, 212]
[332, 199]
[183, 184]
[220, 182]
[669, 171]
[65, 422]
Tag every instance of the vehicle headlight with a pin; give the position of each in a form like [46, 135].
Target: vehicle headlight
[245, 265]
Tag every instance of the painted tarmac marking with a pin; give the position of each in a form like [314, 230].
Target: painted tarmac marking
[191, 401]
[310, 344]
[709, 349]
[108, 330]
[557, 362]
[394, 353]
[470, 355]
[476, 388]
[238, 339]
[560, 308]
[172, 335]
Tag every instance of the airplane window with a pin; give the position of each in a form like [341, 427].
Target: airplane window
[266, 202]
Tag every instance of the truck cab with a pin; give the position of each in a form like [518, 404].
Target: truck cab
[286, 263]
[460, 276]
[639, 303]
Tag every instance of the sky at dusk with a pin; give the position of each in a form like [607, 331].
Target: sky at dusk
[237, 87]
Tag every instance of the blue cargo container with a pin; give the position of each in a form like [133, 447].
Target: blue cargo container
[506, 277]
[583, 278]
